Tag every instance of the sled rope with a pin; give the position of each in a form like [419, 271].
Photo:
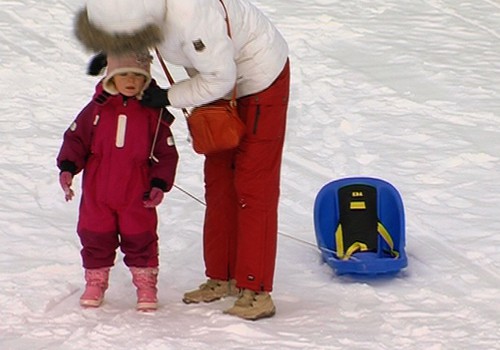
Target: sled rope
[187, 193]
[190, 195]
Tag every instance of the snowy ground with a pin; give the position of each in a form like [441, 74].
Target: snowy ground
[404, 90]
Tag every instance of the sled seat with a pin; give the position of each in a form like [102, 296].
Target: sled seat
[359, 225]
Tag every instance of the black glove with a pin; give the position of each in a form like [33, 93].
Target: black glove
[155, 97]
[97, 64]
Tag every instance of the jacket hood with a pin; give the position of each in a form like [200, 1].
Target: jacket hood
[120, 26]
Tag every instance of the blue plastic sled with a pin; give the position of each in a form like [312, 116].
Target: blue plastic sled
[381, 260]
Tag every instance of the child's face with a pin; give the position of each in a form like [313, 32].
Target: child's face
[129, 84]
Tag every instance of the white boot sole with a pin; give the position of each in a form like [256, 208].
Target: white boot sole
[91, 302]
[147, 306]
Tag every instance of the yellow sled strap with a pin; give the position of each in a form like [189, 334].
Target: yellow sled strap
[354, 248]
[351, 250]
[339, 241]
[345, 255]
[387, 238]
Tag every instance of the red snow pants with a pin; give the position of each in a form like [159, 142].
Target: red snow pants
[242, 189]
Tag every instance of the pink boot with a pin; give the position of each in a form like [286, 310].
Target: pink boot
[97, 283]
[145, 279]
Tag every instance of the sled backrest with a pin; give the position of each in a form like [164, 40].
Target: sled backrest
[359, 214]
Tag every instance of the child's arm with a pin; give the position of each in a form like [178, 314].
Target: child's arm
[76, 142]
[75, 149]
[163, 170]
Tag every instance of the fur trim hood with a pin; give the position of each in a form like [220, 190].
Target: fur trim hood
[108, 32]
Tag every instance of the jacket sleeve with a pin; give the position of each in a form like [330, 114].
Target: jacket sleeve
[166, 157]
[77, 139]
[211, 53]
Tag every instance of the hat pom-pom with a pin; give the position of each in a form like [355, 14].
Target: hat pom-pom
[97, 64]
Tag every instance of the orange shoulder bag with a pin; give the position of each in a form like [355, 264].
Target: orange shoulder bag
[216, 126]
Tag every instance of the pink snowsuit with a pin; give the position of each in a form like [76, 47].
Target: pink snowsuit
[111, 141]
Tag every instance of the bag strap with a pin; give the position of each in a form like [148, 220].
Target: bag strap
[233, 97]
[169, 76]
[171, 79]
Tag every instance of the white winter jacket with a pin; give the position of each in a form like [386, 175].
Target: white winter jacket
[195, 37]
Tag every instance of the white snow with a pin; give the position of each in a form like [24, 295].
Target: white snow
[403, 90]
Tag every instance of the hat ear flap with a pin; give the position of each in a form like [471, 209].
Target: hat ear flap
[96, 40]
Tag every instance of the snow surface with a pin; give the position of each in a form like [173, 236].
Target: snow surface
[403, 90]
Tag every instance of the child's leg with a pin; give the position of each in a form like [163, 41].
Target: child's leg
[97, 283]
[139, 243]
[99, 239]
[145, 280]
[97, 229]
[138, 237]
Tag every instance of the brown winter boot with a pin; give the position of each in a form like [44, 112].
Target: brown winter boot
[252, 305]
[97, 283]
[145, 279]
[210, 291]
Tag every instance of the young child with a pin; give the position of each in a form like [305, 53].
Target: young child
[128, 157]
